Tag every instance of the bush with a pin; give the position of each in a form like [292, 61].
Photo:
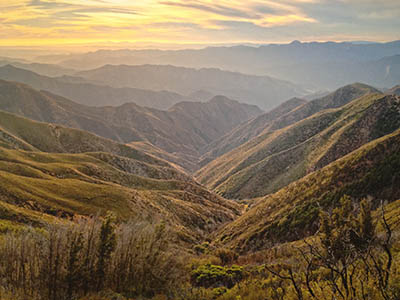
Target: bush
[216, 276]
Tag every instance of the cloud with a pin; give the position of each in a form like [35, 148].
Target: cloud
[213, 8]
[198, 21]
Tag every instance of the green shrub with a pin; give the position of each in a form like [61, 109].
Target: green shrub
[216, 276]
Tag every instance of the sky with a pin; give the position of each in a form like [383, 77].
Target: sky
[120, 23]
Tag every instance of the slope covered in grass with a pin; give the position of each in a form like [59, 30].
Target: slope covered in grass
[276, 158]
[48, 170]
[372, 171]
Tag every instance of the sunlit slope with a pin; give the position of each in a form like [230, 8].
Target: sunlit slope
[275, 158]
[55, 171]
[372, 171]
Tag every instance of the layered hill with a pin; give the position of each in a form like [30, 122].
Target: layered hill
[326, 65]
[41, 69]
[372, 171]
[49, 170]
[90, 93]
[285, 147]
[263, 91]
[184, 129]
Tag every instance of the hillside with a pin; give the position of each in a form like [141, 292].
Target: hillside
[244, 132]
[281, 143]
[184, 129]
[263, 91]
[48, 170]
[291, 213]
[89, 93]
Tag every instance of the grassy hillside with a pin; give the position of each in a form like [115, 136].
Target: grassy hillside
[275, 158]
[286, 114]
[292, 213]
[48, 170]
[244, 132]
[184, 129]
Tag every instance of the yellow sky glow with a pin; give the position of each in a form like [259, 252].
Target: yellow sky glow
[72, 21]
[78, 22]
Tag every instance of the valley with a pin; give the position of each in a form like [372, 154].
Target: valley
[198, 174]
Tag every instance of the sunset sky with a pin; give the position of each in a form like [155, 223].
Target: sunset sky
[120, 22]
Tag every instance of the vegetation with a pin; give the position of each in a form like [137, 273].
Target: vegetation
[292, 213]
[73, 260]
[86, 218]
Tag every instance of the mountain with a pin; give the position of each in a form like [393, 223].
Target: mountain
[383, 72]
[89, 93]
[184, 129]
[394, 90]
[248, 130]
[292, 213]
[288, 150]
[48, 170]
[263, 91]
[288, 113]
[318, 65]
[41, 69]
[248, 59]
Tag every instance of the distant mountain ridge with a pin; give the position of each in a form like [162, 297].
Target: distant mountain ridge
[263, 91]
[318, 65]
[88, 92]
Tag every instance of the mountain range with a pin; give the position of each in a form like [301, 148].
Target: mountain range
[184, 129]
[90, 93]
[318, 65]
[282, 165]
[276, 148]
[262, 91]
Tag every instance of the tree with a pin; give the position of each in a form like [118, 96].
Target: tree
[106, 247]
[353, 258]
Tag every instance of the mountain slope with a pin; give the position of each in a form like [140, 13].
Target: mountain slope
[263, 91]
[248, 130]
[185, 129]
[47, 169]
[89, 93]
[258, 166]
[292, 212]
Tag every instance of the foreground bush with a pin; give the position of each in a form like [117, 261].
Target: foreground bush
[74, 260]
